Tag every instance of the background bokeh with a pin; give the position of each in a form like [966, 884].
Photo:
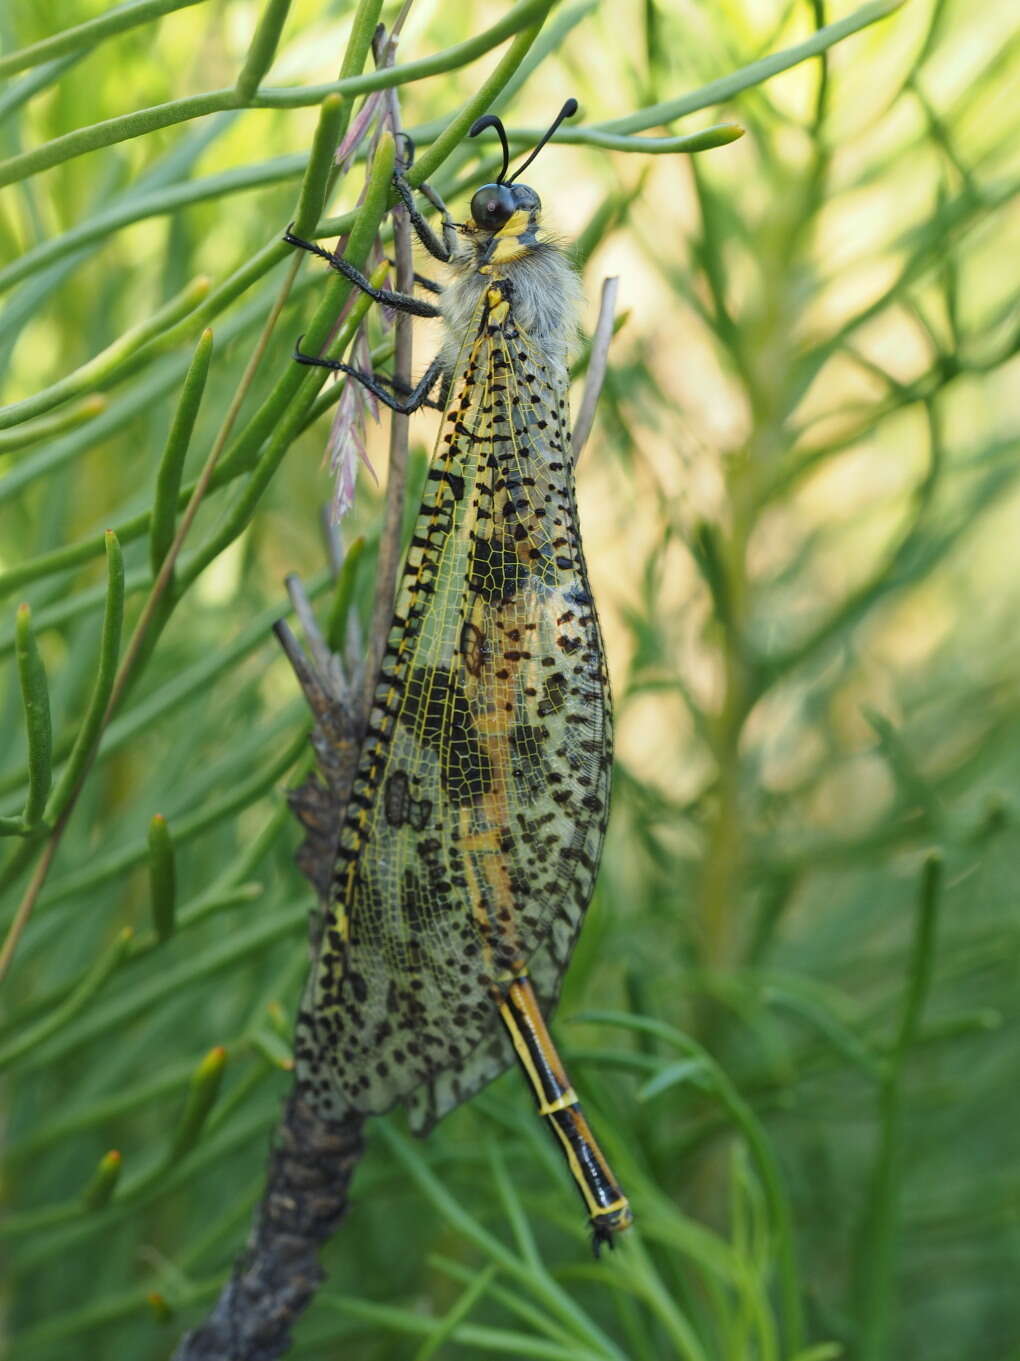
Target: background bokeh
[801, 514]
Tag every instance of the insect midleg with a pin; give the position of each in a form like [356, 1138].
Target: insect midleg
[608, 1208]
[429, 284]
[402, 302]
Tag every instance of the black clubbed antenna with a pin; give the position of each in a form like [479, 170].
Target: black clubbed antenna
[568, 111]
[489, 120]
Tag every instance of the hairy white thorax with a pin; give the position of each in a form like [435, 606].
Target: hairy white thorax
[546, 304]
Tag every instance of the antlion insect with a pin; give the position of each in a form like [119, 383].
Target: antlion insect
[471, 840]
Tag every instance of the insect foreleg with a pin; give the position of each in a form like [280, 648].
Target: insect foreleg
[401, 302]
[417, 397]
[441, 250]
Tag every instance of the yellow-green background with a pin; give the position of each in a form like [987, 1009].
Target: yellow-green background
[800, 513]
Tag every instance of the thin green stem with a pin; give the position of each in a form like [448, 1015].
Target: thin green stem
[726, 87]
[171, 465]
[875, 1260]
[142, 121]
[262, 49]
[328, 133]
[387, 559]
[742, 1115]
[154, 614]
[88, 34]
[162, 878]
[49, 427]
[296, 388]
[100, 1190]
[542, 1286]
[109, 650]
[160, 202]
[35, 700]
[59, 1017]
[127, 353]
[203, 1090]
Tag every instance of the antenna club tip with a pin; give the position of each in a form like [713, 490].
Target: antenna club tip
[570, 108]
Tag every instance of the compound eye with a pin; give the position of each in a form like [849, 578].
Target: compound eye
[492, 206]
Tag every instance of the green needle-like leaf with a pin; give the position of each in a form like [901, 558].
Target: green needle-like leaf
[168, 479]
[109, 651]
[101, 1188]
[263, 48]
[35, 699]
[332, 115]
[202, 1093]
[162, 877]
[336, 627]
[118, 360]
[30, 1038]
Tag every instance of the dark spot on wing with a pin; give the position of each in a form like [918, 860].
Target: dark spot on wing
[436, 710]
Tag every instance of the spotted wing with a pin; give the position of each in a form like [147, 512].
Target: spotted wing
[475, 823]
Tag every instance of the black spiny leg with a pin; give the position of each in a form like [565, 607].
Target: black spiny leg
[401, 302]
[405, 390]
[442, 250]
[403, 400]
[417, 397]
[429, 284]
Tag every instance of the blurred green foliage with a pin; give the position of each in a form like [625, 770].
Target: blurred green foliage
[800, 509]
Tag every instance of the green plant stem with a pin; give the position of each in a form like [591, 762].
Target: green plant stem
[336, 627]
[99, 1192]
[328, 133]
[158, 605]
[720, 134]
[88, 34]
[724, 89]
[203, 1089]
[127, 353]
[139, 207]
[137, 124]
[101, 970]
[171, 465]
[764, 1159]
[162, 878]
[428, 163]
[551, 1294]
[262, 49]
[875, 1260]
[388, 557]
[109, 650]
[19, 92]
[185, 828]
[35, 700]
[51, 426]
[112, 1015]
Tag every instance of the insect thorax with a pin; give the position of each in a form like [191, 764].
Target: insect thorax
[545, 299]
